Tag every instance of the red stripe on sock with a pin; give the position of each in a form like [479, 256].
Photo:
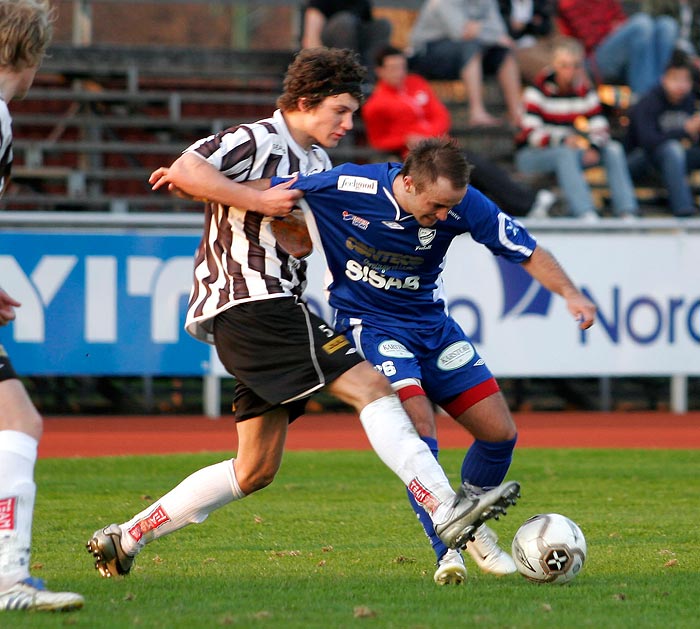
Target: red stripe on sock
[412, 390]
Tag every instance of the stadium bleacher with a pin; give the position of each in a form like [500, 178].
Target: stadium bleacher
[102, 116]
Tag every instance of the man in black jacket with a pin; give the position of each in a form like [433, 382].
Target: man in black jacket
[664, 132]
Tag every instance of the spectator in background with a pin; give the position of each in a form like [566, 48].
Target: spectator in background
[344, 24]
[565, 132]
[530, 24]
[403, 110]
[663, 134]
[620, 49]
[463, 39]
[685, 41]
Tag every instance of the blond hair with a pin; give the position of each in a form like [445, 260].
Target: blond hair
[26, 27]
[570, 46]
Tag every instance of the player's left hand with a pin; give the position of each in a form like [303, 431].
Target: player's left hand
[278, 200]
[7, 308]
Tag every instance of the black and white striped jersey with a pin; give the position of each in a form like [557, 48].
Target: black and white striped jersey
[238, 258]
[5, 145]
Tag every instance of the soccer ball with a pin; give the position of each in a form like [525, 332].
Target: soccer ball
[549, 548]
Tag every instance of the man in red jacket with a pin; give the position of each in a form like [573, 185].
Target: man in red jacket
[632, 50]
[403, 110]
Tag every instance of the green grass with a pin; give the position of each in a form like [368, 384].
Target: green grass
[334, 535]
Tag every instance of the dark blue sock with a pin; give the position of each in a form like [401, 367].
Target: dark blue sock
[486, 463]
[422, 515]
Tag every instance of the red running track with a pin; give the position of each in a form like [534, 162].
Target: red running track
[106, 436]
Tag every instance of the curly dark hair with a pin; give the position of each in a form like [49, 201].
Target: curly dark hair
[317, 73]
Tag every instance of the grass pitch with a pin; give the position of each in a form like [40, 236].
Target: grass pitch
[333, 543]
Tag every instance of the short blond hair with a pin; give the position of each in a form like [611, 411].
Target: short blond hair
[570, 46]
[26, 27]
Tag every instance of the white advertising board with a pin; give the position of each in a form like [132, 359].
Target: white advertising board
[646, 287]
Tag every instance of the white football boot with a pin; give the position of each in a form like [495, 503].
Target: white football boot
[451, 569]
[488, 555]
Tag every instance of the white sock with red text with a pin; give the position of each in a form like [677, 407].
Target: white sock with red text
[395, 440]
[190, 502]
[17, 492]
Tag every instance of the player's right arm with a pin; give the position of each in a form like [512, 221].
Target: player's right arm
[193, 176]
[545, 268]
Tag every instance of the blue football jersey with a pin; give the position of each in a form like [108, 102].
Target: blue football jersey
[384, 266]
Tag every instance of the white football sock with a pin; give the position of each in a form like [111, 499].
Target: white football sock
[17, 492]
[398, 445]
[190, 502]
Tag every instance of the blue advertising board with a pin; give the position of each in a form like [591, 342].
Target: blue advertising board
[96, 303]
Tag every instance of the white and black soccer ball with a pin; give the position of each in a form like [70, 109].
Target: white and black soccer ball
[549, 548]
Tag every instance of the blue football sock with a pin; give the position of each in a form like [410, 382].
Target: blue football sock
[486, 463]
[422, 515]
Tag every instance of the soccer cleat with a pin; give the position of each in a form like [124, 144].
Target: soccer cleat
[488, 555]
[451, 569]
[471, 508]
[105, 546]
[30, 594]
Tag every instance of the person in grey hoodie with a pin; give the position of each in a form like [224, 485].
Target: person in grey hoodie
[463, 39]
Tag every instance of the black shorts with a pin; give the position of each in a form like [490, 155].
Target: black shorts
[7, 372]
[280, 353]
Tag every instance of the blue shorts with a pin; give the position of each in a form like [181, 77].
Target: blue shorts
[443, 360]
